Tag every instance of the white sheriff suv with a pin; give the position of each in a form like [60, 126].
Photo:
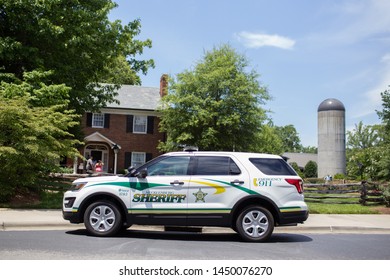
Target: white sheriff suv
[249, 192]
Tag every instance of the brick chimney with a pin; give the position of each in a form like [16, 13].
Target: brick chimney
[164, 85]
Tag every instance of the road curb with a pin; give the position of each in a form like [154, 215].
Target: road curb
[36, 226]
[334, 229]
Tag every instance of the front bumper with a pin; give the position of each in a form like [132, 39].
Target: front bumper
[72, 217]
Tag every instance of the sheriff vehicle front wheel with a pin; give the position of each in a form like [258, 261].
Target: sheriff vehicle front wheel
[255, 223]
[102, 218]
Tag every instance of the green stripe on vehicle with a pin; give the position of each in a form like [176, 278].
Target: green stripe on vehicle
[244, 189]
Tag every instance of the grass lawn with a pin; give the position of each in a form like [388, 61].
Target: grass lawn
[322, 208]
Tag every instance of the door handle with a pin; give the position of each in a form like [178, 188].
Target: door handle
[177, 182]
[237, 182]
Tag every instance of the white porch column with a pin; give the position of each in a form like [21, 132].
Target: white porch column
[116, 148]
[75, 165]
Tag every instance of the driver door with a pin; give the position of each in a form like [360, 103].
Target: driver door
[161, 197]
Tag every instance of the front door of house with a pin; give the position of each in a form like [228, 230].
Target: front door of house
[98, 152]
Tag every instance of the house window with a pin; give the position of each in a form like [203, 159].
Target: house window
[137, 159]
[140, 124]
[98, 120]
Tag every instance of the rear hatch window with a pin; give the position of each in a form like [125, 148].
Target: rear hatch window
[273, 166]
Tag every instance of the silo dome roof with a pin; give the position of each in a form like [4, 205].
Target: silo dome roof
[331, 104]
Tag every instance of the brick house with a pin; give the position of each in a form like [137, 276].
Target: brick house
[127, 133]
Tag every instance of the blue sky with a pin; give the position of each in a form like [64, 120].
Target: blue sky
[305, 51]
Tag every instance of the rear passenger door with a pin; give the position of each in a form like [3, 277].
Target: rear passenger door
[216, 184]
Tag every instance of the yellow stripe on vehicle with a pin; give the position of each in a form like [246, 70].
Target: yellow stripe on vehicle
[290, 209]
[219, 189]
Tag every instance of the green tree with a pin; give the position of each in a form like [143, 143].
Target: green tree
[119, 72]
[290, 138]
[268, 141]
[363, 154]
[368, 146]
[311, 169]
[309, 149]
[33, 131]
[215, 106]
[363, 136]
[384, 115]
[76, 41]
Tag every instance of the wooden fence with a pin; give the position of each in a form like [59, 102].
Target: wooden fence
[364, 193]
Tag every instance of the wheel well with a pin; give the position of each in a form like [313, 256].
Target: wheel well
[103, 196]
[256, 200]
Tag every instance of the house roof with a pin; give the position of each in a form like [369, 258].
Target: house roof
[137, 98]
[301, 158]
[98, 137]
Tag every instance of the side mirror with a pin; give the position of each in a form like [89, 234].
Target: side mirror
[142, 174]
[133, 172]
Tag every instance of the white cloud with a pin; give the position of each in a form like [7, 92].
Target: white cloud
[360, 20]
[257, 40]
[372, 99]
[386, 58]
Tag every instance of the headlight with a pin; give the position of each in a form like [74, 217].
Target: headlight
[77, 186]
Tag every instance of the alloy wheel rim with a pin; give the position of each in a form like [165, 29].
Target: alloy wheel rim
[255, 223]
[102, 218]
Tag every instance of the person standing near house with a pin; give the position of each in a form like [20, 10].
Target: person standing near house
[99, 166]
[90, 166]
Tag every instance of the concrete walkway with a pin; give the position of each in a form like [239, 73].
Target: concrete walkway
[14, 219]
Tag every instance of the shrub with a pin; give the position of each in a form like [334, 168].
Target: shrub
[339, 176]
[295, 166]
[7, 191]
[310, 170]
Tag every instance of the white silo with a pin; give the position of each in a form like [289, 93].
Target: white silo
[331, 138]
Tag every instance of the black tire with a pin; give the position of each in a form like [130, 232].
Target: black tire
[234, 227]
[102, 218]
[124, 228]
[255, 224]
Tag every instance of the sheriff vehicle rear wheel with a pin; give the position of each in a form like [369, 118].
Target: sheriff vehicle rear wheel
[255, 223]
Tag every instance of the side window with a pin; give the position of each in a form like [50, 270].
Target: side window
[137, 159]
[210, 165]
[272, 166]
[170, 166]
[98, 120]
[140, 124]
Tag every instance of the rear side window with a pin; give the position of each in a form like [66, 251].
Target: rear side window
[273, 166]
[209, 165]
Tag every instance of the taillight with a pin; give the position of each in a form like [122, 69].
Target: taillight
[297, 183]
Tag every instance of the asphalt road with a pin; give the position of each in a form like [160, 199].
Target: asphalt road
[145, 245]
